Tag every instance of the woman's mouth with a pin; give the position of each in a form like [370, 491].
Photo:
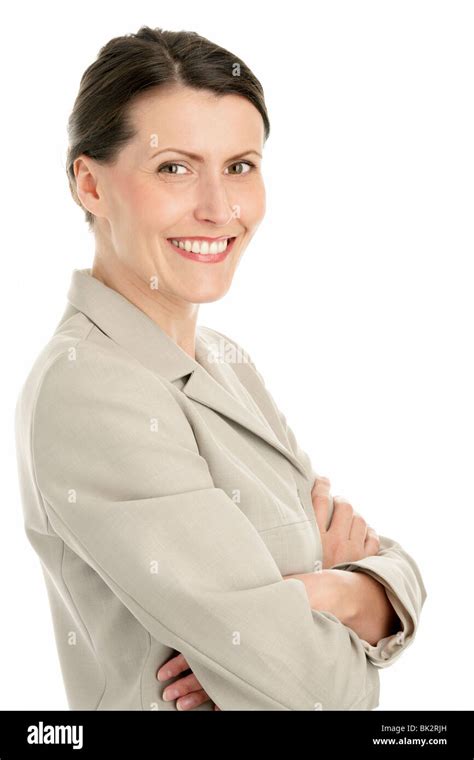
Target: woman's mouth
[205, 250]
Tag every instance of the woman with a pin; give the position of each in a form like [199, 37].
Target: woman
[180, 527]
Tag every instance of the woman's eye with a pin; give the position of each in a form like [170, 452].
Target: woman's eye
[165, 166]
[243, 163]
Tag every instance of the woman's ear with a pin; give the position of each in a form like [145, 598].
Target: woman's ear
[87, 190]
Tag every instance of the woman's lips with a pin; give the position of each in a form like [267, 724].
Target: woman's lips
[205, 258]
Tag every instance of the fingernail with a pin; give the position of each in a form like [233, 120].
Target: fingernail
[184, 703]
[170, 694]
[163, 675]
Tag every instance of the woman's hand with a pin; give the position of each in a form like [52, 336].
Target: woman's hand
[186, 690]
[357, 599]
[348, 537]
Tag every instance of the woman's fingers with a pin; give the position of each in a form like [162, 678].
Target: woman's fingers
[358, 532]
[172, 668]
[182, 687]
[192, 700]
[372, 542]
[320, 498]
[341, 521]
[348, 537]
[321, 479]
[187, 690]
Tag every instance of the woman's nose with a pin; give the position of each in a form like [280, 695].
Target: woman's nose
[214, 204]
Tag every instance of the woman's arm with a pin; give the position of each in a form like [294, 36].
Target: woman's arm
[375, 617]
[355, 598]
[391, 565]
[383, 561]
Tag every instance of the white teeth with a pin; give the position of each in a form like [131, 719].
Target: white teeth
[201, 246]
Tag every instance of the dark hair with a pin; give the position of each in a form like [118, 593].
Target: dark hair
[99, 124]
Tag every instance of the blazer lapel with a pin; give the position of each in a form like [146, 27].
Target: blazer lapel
[203, 388]
[211, 380]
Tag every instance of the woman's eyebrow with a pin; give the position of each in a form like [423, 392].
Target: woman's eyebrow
[197, 157]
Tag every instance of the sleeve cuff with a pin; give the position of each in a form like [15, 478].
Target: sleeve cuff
[396, 570]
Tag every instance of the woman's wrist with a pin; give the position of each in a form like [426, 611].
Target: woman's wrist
[356, 598]
[374, 616]
[331, 591]
[335, 593]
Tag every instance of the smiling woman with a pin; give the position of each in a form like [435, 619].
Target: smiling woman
[177, 520]
[173, 153]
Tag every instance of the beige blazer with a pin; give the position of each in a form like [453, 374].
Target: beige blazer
[165, 498]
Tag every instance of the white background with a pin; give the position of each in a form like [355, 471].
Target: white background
[360, 277]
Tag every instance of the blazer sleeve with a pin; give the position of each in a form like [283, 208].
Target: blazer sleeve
[393, 566]
[123, 484]
[395, 569]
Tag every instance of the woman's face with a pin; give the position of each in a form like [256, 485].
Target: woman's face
[191, 174]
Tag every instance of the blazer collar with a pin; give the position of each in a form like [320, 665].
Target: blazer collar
[211, 380]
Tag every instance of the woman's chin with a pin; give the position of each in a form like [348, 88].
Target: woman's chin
[205, 290]
[208, 295]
